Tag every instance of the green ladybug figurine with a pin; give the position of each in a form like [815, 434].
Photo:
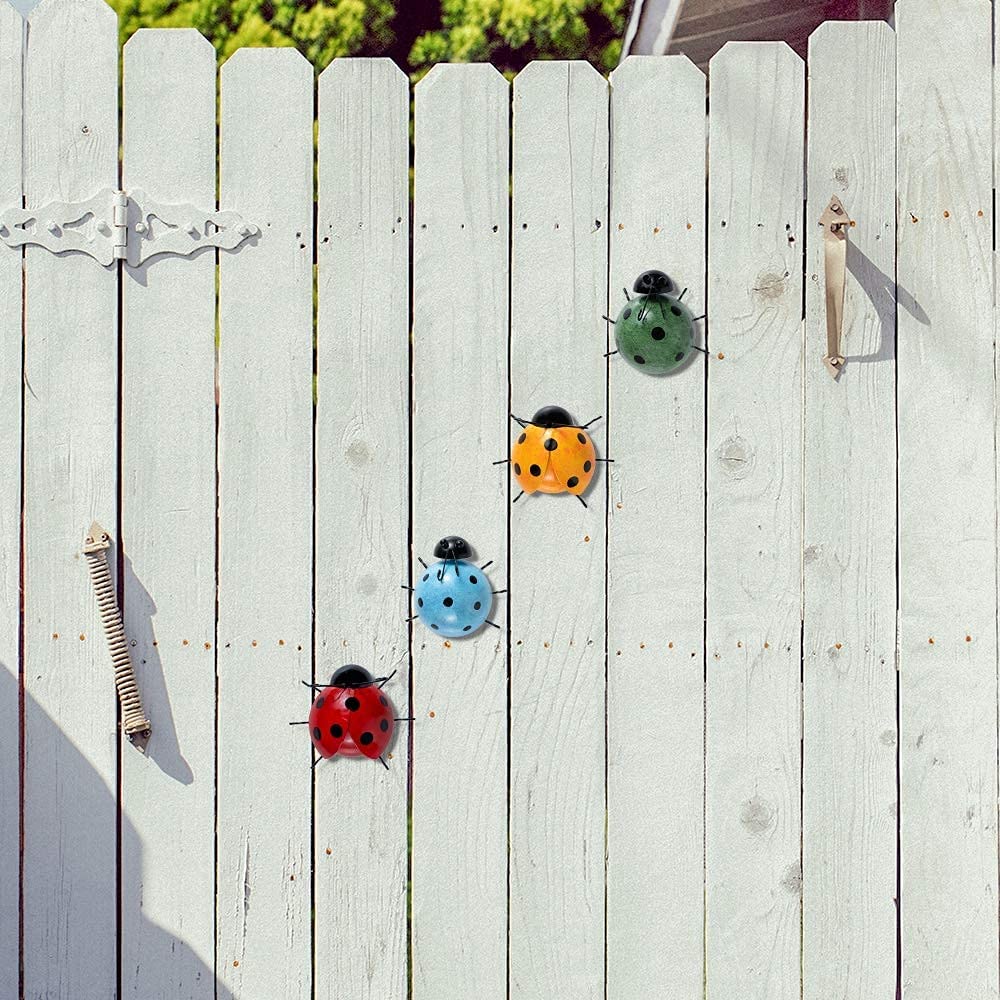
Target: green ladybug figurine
[654, 332]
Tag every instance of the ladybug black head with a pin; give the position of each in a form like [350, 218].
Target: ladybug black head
[652, 283]
[452, 547]
[352, 676]
[552, 416]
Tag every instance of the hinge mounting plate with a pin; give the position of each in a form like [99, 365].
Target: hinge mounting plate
[118, 225]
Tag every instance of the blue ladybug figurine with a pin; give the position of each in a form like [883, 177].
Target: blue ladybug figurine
[454, 596]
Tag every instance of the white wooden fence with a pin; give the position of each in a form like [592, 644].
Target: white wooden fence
[738, 735]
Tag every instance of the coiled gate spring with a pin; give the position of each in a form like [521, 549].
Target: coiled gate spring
[134, 720]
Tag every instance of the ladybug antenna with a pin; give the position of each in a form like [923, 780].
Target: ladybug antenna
[681, 296]
[583, 427]
[519, 420]
[382, 681]
[313, 687]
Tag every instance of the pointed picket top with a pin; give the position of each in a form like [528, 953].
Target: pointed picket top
[733, 52]
[286, 58]
[375, 66]
[73, 11]
[456, 75]
[578, 72]
[641, 68]
[850, 32]
[174, 39]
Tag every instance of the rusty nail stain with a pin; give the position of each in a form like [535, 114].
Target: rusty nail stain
[716, 656]
[968, 638]
[931, 641]
[767, 645]
[642, 645]
[281, 642]
[721, 355]
[670, 645]
[184, 642]
[586, 538]
[739, 645]
[519, 641]
[254, 643]
[447, 644]
[208, 645]
[291, 878]
[55, 635]
[947, 214]
[620, 227]
[156, 642]
[328, 851]
[546, 645]
[389, 755]
[656, 229]
[82, 637]
[838, 645]
[690, 226]
[980, 213]
[913, 218]
[299, 648]
[619, 652]
[853, 223]
[431, 714]
[618, 505]
[236, 963]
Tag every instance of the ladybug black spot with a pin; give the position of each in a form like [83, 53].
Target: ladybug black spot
[522, 438]
[551, 444]
[467, 628]
[473, 580]
[478, 605]
[581, 437]
[626, 314]
[426, 576]
[517, 469]
[336, 732]
[319, 701]
[639, 359]
[352, 704]
[447, 602]
[420, 602]
[535, 470]
[366, 738]
[316, 734]
[572, 481]
[382, 699]
[384, 725]
[680, 356]
[587, 466]
[676, 310]
[657, 333]
[433, 626]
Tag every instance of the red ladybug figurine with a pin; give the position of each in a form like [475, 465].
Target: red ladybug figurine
[351, 716]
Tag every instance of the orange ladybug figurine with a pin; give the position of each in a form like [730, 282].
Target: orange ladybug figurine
[553, 454]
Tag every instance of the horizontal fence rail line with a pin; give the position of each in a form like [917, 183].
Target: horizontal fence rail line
[735, 732]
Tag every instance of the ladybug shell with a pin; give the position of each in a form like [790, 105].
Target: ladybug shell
[351, 721]
[453, 599]
[654, 333]
[553, 459]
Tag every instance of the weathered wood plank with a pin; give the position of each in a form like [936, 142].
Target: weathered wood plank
[753, 874]
[71, 440]
[558, 294]
[168, 529]
[265, 527]
[362, 475]
[11, 38]
[460, 279]
[947, 502]
[849, 637]
[656, 593]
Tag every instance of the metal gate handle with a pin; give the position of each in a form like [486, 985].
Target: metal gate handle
[835, 223]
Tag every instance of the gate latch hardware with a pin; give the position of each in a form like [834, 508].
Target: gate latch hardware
[119, 225]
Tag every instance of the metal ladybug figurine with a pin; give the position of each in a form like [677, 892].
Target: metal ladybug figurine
[553, 454]
[654, 331]
[351, 716]
[453, 596]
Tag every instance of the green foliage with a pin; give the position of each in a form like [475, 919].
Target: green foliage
[510, 33]
[320, 29]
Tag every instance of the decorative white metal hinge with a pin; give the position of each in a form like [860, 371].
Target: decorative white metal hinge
[119, 225]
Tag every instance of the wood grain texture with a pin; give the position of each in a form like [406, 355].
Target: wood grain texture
[559, 259]
[265, 527]
[656, 590]
[753, 873]
[168, 529]
[947, 502]
[849, 637]
[362, 514]
[11, 36]
[459, 423]
[71, 440]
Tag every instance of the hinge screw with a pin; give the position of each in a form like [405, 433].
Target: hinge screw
[191, 229]
[243, 230]
[103, 228]
[140, 227]
[3, 229]
[52, 227]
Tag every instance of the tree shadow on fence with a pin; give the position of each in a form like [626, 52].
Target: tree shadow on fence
[165, 951]
[885, 294]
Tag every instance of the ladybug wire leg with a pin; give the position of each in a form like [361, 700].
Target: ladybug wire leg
[498, 592]
[604, 460]
[405, 718]
[629, 297]
[610, 353]
[494, 624]
[698, 319]
[316, 761]
[701, 349]
[384, 764]
[406, 587]
[410, 619]
[304, 722]
[518, 497]
[607, 319]
[422, 563]
[502, 461]
[485, 564]
[382, 681]
[580, 498]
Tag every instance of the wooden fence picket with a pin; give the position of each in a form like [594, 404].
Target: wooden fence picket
[947, 502]
[849, 556]
[362, 463]
[11, 32]
[656, 549]
[459, 423]
[265, 528]
[70, 455]
[168, 528]
[557, 612]
[754, 470]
